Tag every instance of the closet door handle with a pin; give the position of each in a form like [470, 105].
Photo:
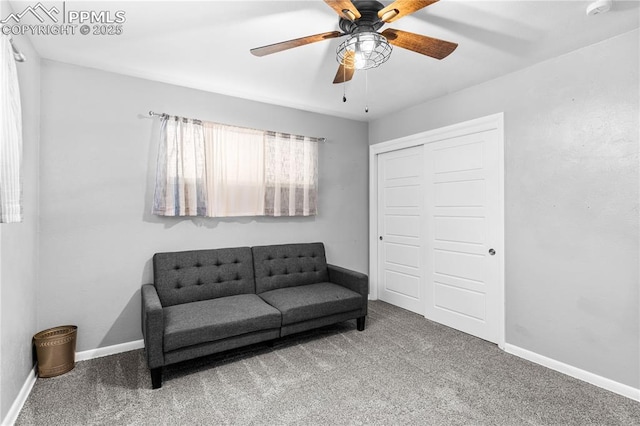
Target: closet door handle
[492, 252]
[380, 237]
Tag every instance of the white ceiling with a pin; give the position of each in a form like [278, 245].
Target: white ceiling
[205, 45]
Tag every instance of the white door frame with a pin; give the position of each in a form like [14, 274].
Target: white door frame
[490, 122]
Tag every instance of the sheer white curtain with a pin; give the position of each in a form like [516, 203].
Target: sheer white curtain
[291, 176]
[235, 170]
[217, 170]
[180, 176]
[10, 137]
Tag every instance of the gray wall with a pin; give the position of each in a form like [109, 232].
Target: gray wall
[19, 245]
[571, 183]
[97, 165]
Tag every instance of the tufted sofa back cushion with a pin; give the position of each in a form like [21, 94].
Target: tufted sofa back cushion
[190, 276]
[288, 265]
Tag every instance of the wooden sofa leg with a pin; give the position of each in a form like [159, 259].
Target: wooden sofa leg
[156, 378]
[360, 323]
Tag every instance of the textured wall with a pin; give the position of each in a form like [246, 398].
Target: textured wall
[571, 182]
[97, 166]
[19, 241]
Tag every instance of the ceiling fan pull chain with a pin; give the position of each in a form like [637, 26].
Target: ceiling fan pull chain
[344, 84]
[366, 91]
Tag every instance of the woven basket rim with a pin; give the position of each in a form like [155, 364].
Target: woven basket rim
[55, 332]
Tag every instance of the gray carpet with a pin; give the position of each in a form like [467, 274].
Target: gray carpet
[402, 369]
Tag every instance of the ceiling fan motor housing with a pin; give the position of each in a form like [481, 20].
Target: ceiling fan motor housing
[369, 20]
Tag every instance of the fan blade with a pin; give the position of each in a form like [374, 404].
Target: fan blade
[346, 69]
[343, 74]
[290, 44]
[429, 46]
[344, 8]
[400, 8]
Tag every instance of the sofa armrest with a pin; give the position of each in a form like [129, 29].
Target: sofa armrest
[352, 280]
[152, 326]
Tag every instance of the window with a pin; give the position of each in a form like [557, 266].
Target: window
[216, 170]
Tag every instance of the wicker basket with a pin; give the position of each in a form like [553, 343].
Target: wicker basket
[56, 350]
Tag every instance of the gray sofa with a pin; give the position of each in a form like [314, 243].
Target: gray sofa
[208, 301]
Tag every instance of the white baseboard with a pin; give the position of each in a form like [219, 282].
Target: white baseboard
[109, 350]
[17, 405]
[569, 370]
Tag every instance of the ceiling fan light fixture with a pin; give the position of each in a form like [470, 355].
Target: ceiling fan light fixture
[370, 49]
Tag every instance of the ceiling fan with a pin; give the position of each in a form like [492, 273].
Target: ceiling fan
[365, 47]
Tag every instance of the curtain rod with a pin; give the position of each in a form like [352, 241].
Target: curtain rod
[163, 114]
[155, 114]
[17, 55]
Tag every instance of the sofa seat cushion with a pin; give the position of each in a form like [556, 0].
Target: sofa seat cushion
[210, 320]
[312, 301]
